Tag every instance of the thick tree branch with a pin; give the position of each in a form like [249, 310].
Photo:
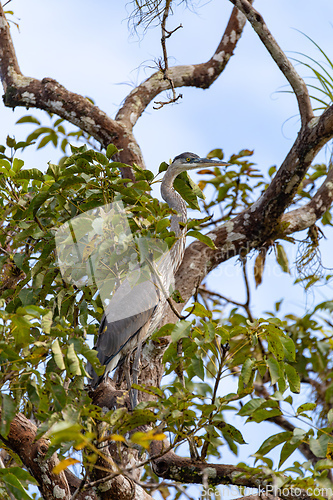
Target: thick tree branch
[185, 470]
[262, 221]
[196, 75]
[304, 217]
[49, 95]
[21, 440]
[296, 82]
[121, 487]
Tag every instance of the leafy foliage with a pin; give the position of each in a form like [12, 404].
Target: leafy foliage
[46, 323]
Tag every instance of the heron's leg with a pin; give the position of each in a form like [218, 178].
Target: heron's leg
[127, 374]
[135, 377]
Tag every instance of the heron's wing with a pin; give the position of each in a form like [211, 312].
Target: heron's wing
[128, 311]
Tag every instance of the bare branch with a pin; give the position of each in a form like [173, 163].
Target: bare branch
[166, 34]
[49, 95]
[296, 82]
[196, 75]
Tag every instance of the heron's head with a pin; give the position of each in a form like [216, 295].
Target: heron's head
[190, 161]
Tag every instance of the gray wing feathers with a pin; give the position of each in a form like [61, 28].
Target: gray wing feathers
[128, 311]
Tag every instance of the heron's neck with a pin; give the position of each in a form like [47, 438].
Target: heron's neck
[175, 201]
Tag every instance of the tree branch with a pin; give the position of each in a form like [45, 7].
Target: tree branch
[21, 440]
[185, 470]
[49, 95]
[196, 75]
[294, 79]
[304, 217]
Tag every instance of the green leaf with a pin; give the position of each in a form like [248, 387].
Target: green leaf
[196, 368]
[10, 141]
[265, 413]
[28, 119]
[111, 150]
[288, 348]
[37, 202]
[183, 185]
[273, 441]
[176, 297]
[306, 407]
[59, 396]
[14, 485]
[287, 449]
[216, 153]
[57, 354]
[282, 258]
[164, 331]
[74, 364]
[203, 238]
[17, 164]
[66, 431]
[274, 369]
[293, 378]
[163, 167]
[6, 164]
[247, 370]
[7, 414]
[233, 433]
[47, 322]
[90, 354]
[199, 310]
[330, 416]
[31, 173]
[251, 406]
[274, 343]
[45, 141]
[319, 446]
[181, 330]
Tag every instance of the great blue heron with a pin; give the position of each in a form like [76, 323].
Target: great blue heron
[119, 338]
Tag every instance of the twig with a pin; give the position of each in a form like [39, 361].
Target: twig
[216, 385]
[112, 475]
[226, 299]
[247, 287]
[200, 75]
[4, 251]
[165, 68]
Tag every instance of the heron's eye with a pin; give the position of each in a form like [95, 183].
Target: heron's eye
[188, 159]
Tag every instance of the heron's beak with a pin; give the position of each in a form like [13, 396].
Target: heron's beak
[205, 162]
